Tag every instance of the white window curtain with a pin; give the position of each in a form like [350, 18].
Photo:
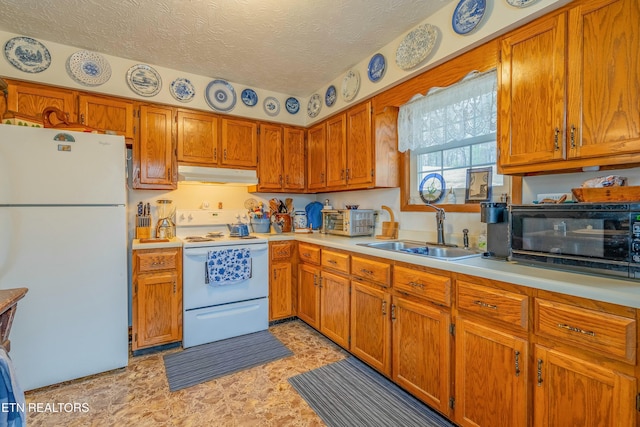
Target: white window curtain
[462, 111]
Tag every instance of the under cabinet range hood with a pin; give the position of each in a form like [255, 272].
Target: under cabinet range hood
[217, 175]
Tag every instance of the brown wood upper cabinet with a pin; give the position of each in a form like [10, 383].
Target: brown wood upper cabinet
[281, 158]
[107, 114]
[317, 157]
[31, 99]
[197, 138]
[569, 94]
[239, 143]
[154, 151]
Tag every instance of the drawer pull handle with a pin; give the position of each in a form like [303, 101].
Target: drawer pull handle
[539, 372]
[485, 305]
[574, 329]
[157, 263]
[331, 261]
[517, 363]
[306, 254]
[365, 271]
[417, 285]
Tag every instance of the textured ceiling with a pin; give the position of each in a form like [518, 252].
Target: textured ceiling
[286, 46]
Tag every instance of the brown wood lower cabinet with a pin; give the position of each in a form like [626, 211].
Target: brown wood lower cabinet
[370, 325]
[334, 308]
[491, 376]
[156, 297]
[281, 283]
[309, 294]
[422, 351]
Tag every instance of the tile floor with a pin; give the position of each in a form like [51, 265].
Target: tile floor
[139, 395]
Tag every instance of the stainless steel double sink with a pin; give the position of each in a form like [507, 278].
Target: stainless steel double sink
[451, 253]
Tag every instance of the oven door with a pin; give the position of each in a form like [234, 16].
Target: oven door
[198, 293]
[589, 237]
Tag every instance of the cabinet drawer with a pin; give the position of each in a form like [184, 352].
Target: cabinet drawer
[309, 253]
[498, 304]
[369, 269]
[433, 287]
[157, 260]
[281, 251]
[612, 335]
[335, 260]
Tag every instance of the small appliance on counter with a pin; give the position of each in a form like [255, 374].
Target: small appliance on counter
[495, 215]
[348, 222]
[165, 229]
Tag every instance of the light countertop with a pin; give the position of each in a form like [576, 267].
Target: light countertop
[174, 242]
[606, 289]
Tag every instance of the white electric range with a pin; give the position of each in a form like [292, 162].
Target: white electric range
[214, 311]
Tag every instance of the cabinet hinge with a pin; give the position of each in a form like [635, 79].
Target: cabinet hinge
[372, 173]
[452, 403]
[258, 130]
[136, 288]
[135, 337]
[638, 402]
[349, 340]
[452, 329]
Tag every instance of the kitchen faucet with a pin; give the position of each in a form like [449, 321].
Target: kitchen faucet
[439, 223]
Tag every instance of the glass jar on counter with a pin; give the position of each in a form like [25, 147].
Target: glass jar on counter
[300, 219]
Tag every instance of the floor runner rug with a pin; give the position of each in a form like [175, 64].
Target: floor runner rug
[348, 393]
[205, 362]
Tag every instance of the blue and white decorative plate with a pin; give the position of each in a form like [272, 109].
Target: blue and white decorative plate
[377, 67]
[220, 95]
[144, 80]
[249, 97]
[467, 15]
[521, 3]
[315, 105]
[182, 89]
[432, 188]
[271, 106]
[416, 46]
[27, 54]
[292, 105]
[88, 68]
[350, 85]
[330, 96]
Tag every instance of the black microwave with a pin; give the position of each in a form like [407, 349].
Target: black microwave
[600, 238]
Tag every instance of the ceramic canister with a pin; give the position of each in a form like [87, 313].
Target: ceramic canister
[300, 219]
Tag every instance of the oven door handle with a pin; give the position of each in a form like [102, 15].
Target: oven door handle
[195, 252]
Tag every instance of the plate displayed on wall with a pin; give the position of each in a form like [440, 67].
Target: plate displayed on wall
[350, 85]
[521, 3]
[416, 46]
[330, 96]
[88, 68]
[249, 97]
[27, 54]
[271, 106]
[467, 15]
[314, 106]
[220, 95]
[377, 67]
[292, 105]
[144, 80]
[182, 89]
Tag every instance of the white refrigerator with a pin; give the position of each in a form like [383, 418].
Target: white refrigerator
[63, 236]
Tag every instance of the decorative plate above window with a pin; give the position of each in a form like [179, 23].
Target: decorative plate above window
[416, 46]
[249, 97]
[467, 15]
[377, 67]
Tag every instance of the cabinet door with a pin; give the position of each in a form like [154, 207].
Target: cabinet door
[239, 143]
[532, 93]
[280, 291]
[153, 152]
[32, 99]
[316, 157]
[570, 391]
[158, 310]
[491, 377]
[371, 326]
[270, 166]
[107, 114]
[197, 138]
[421, 351]
[309, 294]
[603, 98]
[334, 308]
[359, 173]
[337, 152]
[293, 159]
[387, 170]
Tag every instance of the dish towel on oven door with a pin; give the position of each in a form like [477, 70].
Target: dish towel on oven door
[226, 266]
